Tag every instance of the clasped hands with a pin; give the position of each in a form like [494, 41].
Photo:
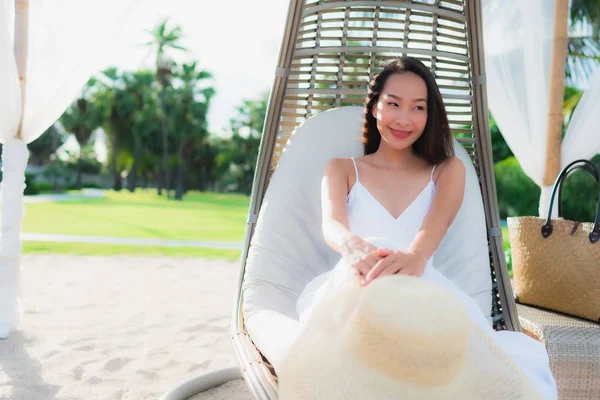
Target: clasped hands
[370, 262]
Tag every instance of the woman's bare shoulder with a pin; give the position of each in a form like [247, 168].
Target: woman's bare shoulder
[451, 168]
[337, 166]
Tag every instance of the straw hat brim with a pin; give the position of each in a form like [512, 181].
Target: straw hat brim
[398, 338]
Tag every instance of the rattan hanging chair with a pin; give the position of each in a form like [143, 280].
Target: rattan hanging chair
[330, 51]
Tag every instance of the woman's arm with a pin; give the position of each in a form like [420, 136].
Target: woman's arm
[359, 254]
[449, 193]
[334, 191]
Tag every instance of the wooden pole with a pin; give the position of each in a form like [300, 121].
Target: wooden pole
[21, 49]
[557, 88]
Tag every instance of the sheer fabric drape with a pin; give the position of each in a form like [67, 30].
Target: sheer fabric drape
[69, 40]
[518, 52]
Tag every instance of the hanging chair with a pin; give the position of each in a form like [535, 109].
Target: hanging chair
[330, 52]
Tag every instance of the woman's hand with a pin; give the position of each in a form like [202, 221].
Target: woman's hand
[397, 262]
[362, 256]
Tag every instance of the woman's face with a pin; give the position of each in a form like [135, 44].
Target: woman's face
[401, 111]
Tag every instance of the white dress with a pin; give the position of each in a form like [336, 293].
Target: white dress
[369, 220]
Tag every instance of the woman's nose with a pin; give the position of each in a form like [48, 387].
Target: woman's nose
[402, 116]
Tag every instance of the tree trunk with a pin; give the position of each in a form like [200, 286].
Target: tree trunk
[117, 180]
[118, 183]
[159, 182]
[145, 178]
[78, 183]
[114, 154]
[54, 160]
[165, 138]
[133, 173]
[179, 184]
[201, 178]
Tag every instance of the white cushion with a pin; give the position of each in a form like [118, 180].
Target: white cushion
[288, 249]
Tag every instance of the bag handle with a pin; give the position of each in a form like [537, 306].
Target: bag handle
[547, 228]
[585, 167]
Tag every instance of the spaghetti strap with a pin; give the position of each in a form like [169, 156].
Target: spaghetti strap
[432, 170]
[355, 167]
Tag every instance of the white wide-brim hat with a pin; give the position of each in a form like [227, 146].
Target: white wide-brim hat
[399, 337]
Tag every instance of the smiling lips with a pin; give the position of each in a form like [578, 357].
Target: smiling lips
[399, 133]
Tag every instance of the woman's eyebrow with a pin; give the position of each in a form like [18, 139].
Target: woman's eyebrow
[399, 98]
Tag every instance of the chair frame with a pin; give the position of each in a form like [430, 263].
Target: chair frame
[258, 373]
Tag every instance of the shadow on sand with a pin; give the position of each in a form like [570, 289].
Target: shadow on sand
[23, 373]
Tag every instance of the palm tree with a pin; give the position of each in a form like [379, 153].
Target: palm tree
[110, 109]
[584, 41]
[81, 119]
[142, 100]
[42, 148]
[162, 41]
[190, 103]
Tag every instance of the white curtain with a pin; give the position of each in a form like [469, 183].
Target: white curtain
[582, 138]
[518, 52]
[69, 40]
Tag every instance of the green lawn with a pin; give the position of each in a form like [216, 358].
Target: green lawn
[143, 214]
[89, 249]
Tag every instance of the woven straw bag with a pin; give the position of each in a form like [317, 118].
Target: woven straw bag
[556, 262]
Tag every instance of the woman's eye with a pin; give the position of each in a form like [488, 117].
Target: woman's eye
[393, 104]
[419, 108]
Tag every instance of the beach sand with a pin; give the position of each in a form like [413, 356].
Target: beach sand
[120, 328]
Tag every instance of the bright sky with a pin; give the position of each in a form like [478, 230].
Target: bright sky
[237, 41]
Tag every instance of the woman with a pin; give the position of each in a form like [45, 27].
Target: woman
[388, 211]
[387, 196]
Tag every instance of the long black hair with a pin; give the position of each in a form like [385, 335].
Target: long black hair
[435, 144]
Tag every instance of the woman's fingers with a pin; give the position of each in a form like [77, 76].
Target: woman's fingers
[362, 268]
[363, 264]
[370, 265]
[380, 266]
[383, 252]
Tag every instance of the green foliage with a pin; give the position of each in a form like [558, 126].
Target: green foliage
[164, 38]
[583, 41]
[30, 187]
[42, 148]
[580, 196]
[517, 194]
[44, 187]
[82, 117]
[60, 175]
[87, 160]
[571, 99]
[237, 156]
[500, 149]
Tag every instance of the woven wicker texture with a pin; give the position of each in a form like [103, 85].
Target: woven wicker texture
[341, 45]
[573, 345]
[560, 272]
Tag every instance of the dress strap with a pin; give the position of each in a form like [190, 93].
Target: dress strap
[432, 170]
[355, 167]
